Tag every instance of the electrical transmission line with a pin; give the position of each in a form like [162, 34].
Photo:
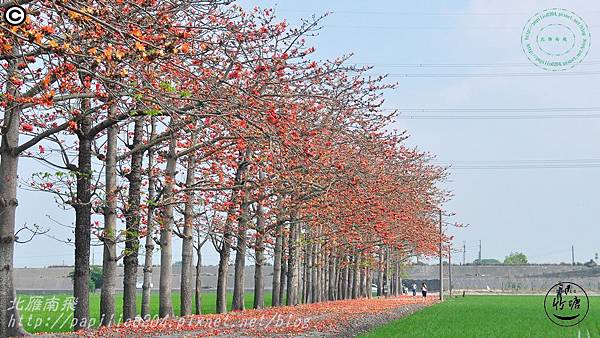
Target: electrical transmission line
[487, 75]
[493, 113]
[463, 65]
[524, 164]
[499, 117]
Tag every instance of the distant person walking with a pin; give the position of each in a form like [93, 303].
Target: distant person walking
[414, 289]
[424, 290]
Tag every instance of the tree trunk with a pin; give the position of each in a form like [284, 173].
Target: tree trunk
[393, 281]
[240, 257]
[314, 273]
[332, 278]
[386, 274]
[380, 275]
[355, 277]
[10, 322]
[399, 277]
[83, 212]
[369, 283]
[187, 248]
[298, 241]
[198, 289]
[225, 250]
[339, 281]
[165, 307]
[275, 299]
[132, 226]
[292, 278]
[344, 281]
[224, 253]
[259, 288]
[366, 285]
[323, 270]
[109, 256]
[349, 284]
[284, 268]
[306, 274]
[361, 289]
[149, 245]
[396, 277]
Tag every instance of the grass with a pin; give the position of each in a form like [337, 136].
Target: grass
[471, 316]
[45, 318]
[489, 316]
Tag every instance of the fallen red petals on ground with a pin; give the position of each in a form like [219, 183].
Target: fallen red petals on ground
[288, 320]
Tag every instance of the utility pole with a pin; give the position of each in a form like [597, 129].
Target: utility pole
[573, 254]
[441, 263]
[479, 252]
[450, 269]
[464, 252]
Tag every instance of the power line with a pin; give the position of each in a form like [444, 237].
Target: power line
[487, 75]
[527, 166]
[584, 160]
[508, 109]
[523, 164]
[370, 12]
[456, 27]
[541, 113]
[497, 117]
[462, 65]
[423, 27]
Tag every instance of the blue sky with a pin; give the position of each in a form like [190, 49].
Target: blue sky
[539, 211]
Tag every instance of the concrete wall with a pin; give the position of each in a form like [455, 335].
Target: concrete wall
[525, 278]
[505, 278]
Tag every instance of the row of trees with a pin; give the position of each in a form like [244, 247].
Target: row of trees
[515, 258]
[200, 120]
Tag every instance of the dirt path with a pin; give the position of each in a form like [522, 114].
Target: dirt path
[344, 318]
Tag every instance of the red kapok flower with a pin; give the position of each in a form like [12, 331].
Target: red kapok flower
[27, 127]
